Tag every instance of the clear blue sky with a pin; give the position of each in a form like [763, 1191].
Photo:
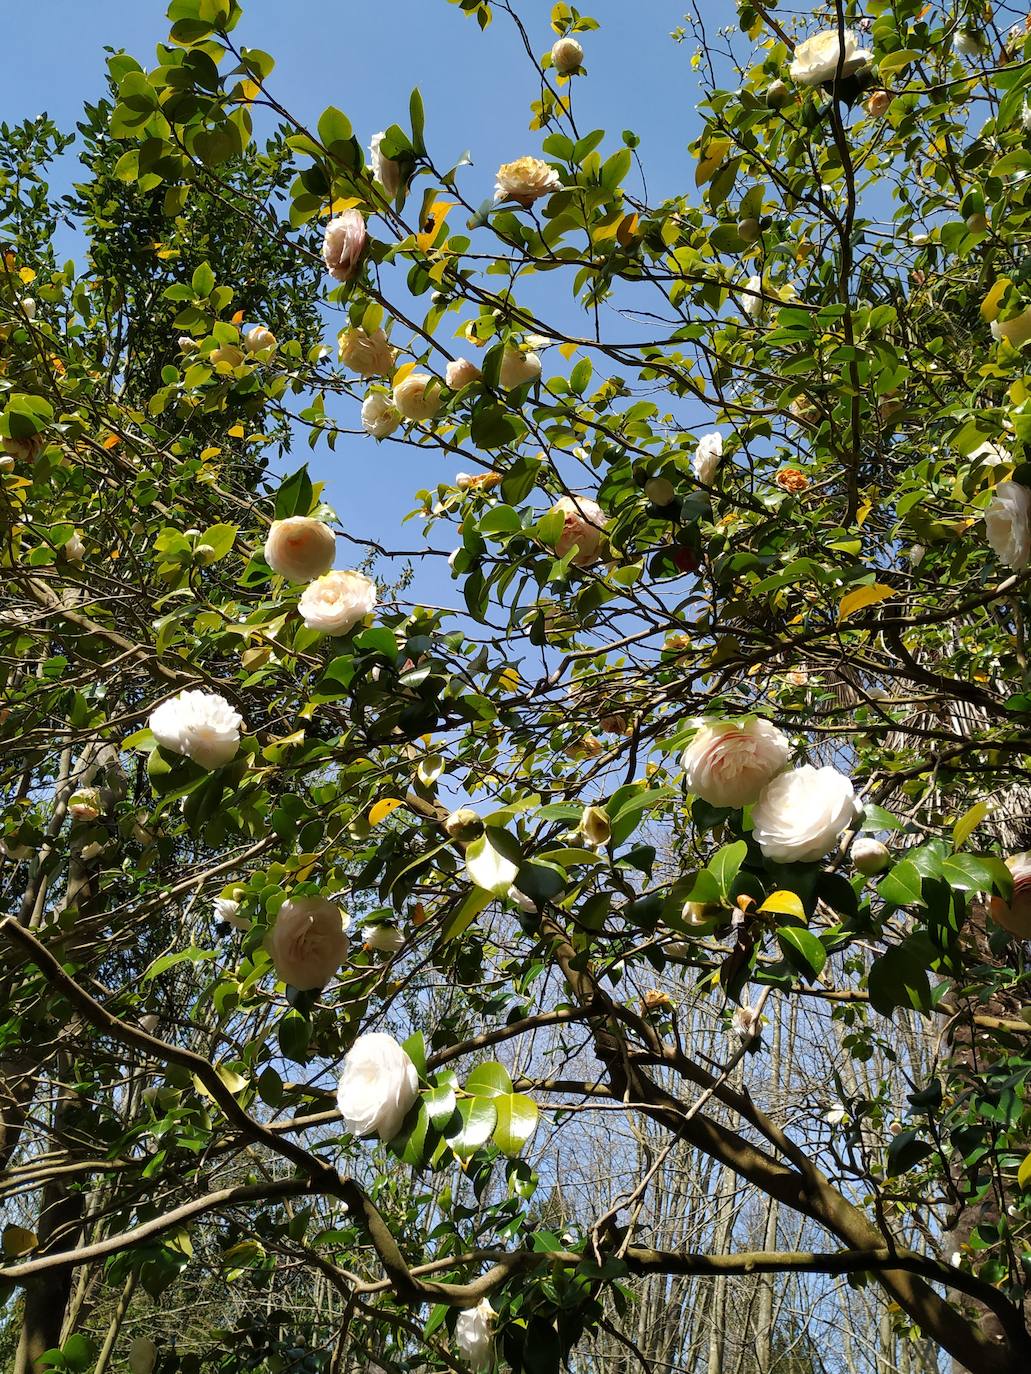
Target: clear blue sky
[364, 57]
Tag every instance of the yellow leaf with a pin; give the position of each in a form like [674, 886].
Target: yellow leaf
[112, 441]
[508, 680]
[863, 597]
[18, 1241]
[863, 511]
[250, 90]
[990, 304]
[207, 453]
[238, 317]
[237, 432]
[382, 809]
[401, 373]
[568, 349]
[627, 231]
[165, 253]
[339, 206]
[232, 1080]
[710, 158]
[27, 274]
[784, 904]
[437, 212]
[1023, 1178]
[969, 821]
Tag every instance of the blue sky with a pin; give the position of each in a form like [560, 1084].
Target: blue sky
[477, 87]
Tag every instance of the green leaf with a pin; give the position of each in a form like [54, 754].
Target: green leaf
[183, 956]
[899, 977]
[415, 1048]
[294, 1033]
[489, 1080]
[440, 1104]
[517, 1121]
[803, 951]
[968, 873]
[476, 1120]
[493, 426]
[905, 1152]
[725, 863]
[294, 496]
[203, 280]
[418, 117]
[903, 886]
[467, 912]
[334, 128]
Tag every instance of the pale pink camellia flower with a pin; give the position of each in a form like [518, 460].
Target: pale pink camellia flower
[300, 548]
[201, 726]
[518, 368]
[461, 372]
[367, 352]
[801, 814]
[378, 1085]
[380, 417]
[566, 55]
[258, 338]
[418, 396]
[816, 60]
[1016, 330]
[474, 1335]
[525, 180]
[1007, 523]
[337, 601]
[707, 457]
[583, 525]
[384, 939]
[728, 763]
[343, 244]
[308, 942]
[385, 169]
[1015, 915]
[84, 804]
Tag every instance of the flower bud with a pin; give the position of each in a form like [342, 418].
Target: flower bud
[229, 354]
[869, 857]
[877, 104]
[595, 827]
[967, 42]
[659, 491]
[567, 55]
[697, 913]
[463, 825]
[777, 95]
[749, 230]
[143, 1355]
[186, 344]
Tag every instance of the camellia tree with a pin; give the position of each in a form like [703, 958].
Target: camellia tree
[338, 925]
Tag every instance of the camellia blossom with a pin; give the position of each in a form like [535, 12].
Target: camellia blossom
[84, 804]
[28, 307]
[595, 827]
[1007, 523]
[257, 339]
[1015, 915]
[752, 304]
[74, 549]
[380, 417]
[461, 372]
[869, 856]
[300, 548]
[308, 942]
[228, 910]
[202, 726]
[801, 814]
[367, 352]
[474, 1335]
[1016, 330]
[746, 1024]
[728, 763]
[385, 169]
[337, 601]
[583, 523]
[518, 368]
[384, 939]
[488, 868]
[567, 55]
[378, 1085]
[418, 396]
[816, 60]
[525, 180]
[707, 457]
[343, 244]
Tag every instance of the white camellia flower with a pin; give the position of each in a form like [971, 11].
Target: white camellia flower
[752, 304]
[258, 338]
[229, 911]
[1016, 330]
[567, 55]
[418, 396]
[308, 942]
[518, 368]
[74, 549]
[525, 180]
[386, 171]
[461, 372]
[378, 1085]
[202, 726]
[337, 601]
[28, 307]
[968, 43]
[367, 352]
[1007, 523]
[707, 457]
[474, 1335]
[801, 814]
[300, 548]
[816, 60]
[384, 939]
[343, 244]
[143, 1355]
[836, 1113]
[583, 524]
[989, 455]
[869, 856]
[84, 804]
[521, 900]
[488, 868]
[88, 852]
[746, 1024]
[595, 827]
[1015, 915]
[728, 763]
[380, 417]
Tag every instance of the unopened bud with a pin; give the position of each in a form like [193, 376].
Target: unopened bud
[870, 857]
[463, 825]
